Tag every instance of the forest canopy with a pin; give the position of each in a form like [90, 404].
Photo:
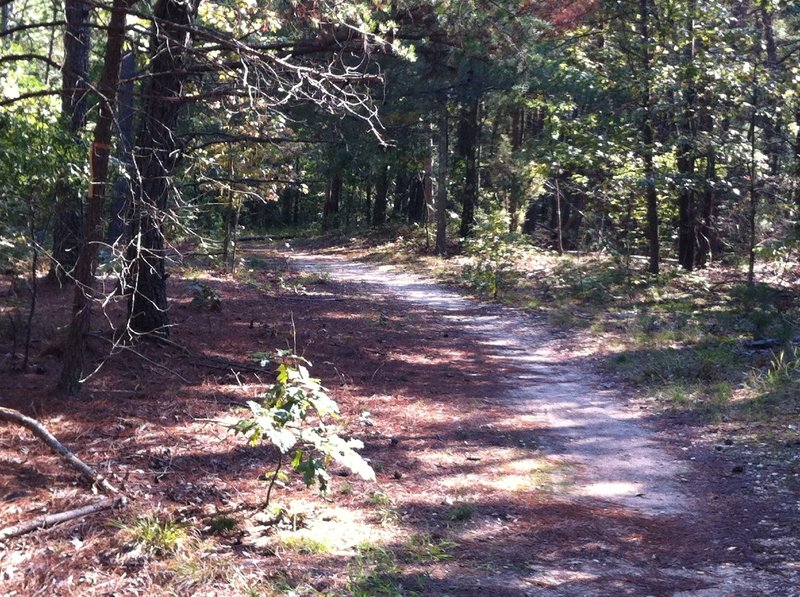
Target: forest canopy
[666, 130]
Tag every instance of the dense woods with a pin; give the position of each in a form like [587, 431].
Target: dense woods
[663, 129]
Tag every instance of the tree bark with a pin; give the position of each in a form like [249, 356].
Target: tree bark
[49, 520]
[333, 195]
[515, 190]
[381, 195]
[687, 141]
[75, 345]
[67, 233]
[120, 193]
[646, 133]
[155, 156]
[441, 181]
[468, 139]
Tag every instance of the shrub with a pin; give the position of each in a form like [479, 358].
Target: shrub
[494, 251]
[292, 416]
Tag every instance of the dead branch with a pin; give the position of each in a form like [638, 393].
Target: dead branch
[35, 427]
[49, 520]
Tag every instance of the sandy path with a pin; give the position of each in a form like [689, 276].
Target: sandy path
[615, 458]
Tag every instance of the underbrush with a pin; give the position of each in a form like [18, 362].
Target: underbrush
[702, 341]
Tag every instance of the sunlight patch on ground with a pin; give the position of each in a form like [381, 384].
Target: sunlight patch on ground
[609, 489]
[332, 531]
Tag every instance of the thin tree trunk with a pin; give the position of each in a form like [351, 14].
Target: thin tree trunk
[687, 131]
[753, 189]
[772, 122]
[333, 196]
[89, 474]
[381, 195]
[646, 132]
[67, 232]
[75, 345]
[441, 183]
[515, 190]
[120, 193]
[469, 132]
[797, 159]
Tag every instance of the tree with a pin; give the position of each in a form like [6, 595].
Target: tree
[75, 343]
[67, 233]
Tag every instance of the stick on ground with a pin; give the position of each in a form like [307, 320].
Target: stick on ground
[35, 427]
[43, 522]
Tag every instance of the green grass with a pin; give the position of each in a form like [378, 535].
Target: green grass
[461, 512]
[306, 545]
[154, 536]
[375, 571]
[425, 548]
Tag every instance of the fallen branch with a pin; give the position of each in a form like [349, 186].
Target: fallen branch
[35, 427]
[49, 520]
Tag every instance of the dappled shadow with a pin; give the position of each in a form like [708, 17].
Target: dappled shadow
[454, 419]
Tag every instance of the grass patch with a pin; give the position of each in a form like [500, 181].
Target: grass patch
[375, 571]
[304, 544]
[153, 536]
[425, 548]
[461, 512]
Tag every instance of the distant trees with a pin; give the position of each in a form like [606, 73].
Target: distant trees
[670, 129]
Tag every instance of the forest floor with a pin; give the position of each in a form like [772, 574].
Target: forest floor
[509, 459]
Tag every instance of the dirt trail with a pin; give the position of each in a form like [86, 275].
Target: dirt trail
[613, 458]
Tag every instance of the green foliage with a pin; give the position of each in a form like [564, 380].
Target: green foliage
[306, 545]
[293, 415]
[373, 572]
[204, 297]
[494, 251]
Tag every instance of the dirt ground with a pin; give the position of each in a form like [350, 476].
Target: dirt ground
[480, 490]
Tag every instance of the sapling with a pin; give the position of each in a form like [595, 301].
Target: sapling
[295, 415]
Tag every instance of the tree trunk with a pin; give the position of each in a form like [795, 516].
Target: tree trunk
[75, 344]
[772, 122]
[155, 157]
[646, 133]
[797, 159]
[441, 182]
[468, 138]
[67, 233]
[381, 195]
[687, 141]
[120, 193]
[333, 195]
[515, 190]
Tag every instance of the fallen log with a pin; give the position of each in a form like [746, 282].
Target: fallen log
[49, 520]
[35, 427]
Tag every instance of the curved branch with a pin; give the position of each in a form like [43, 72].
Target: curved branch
[13, 416]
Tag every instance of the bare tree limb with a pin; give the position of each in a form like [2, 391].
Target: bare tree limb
[49, 520]
[13, 416]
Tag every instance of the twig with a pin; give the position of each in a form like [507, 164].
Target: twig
[35, 427]
[274, 478]
[49, 520]
[226, 365]
[371, 379]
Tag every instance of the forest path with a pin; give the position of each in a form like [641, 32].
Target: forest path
[611, 458]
